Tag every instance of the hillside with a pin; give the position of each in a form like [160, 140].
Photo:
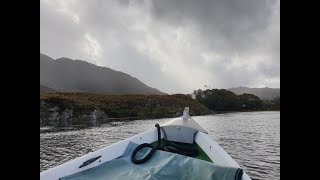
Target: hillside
[262, 93]
[65, 74]
[64, 109]
[44, 90]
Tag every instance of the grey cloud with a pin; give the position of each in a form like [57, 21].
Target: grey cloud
[58, 35]
[162, 42]
[231, 22]
[270, 70]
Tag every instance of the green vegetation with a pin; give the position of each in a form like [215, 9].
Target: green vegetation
[273, 104]
[216, 99]
[63, 109]
[224, 100]
[250, 102]
[115, 106]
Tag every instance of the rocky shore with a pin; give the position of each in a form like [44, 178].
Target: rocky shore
[78, 110]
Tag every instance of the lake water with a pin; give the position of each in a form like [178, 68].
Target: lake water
[251, 138]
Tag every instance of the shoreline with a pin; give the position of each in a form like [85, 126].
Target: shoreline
[53, 129]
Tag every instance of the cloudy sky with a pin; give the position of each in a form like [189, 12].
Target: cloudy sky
[176, 46]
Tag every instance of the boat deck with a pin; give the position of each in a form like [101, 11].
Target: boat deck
[201, 155]
[162, 165]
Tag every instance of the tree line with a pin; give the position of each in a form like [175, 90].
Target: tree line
[224, 100]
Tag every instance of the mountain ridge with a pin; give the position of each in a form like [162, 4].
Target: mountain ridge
[65, 74]
[262, 93]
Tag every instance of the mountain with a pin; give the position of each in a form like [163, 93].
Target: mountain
[262, 93]
[65, 74]
[44, 89]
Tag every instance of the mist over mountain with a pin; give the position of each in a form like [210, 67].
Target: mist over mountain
[65, 74]
[262, 93]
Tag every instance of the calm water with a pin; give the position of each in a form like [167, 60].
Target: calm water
[251, 138]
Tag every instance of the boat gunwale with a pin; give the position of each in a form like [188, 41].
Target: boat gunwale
[107, 153]
[216, 153]
[212, 149]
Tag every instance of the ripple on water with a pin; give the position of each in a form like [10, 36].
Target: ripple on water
[251, 138]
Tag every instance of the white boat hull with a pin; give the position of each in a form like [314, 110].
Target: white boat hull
[218, 155]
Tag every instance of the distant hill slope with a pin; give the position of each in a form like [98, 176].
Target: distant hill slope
[44, 90]
[262, 93]
[66, 74]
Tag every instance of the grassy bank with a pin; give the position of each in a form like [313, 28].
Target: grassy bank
[79, 108]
